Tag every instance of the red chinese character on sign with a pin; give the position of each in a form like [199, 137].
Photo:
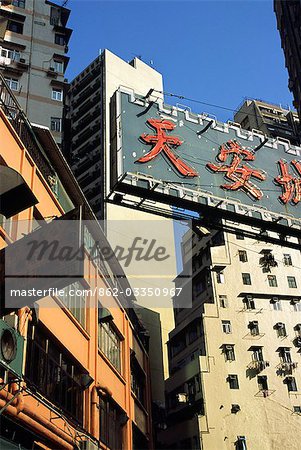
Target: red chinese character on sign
[237, 172]
[291, 185]
[163, 142]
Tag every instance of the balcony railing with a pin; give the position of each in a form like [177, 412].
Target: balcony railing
[22, 127]
[258, 365]
[286, 368]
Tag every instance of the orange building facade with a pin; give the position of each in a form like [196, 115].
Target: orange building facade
[84, 382]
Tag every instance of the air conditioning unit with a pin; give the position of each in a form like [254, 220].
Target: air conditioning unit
[88, 445]
[11, 349]
[22, 60]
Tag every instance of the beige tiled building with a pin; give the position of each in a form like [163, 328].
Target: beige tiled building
[235, 380]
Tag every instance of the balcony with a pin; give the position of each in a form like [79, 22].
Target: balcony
[286, 368]
[258, 366]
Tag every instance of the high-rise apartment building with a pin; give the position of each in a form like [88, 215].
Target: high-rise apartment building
[288, 14]
[234, 357]
[273, 120]
[34, 41]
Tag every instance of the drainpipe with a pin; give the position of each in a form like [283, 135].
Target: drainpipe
[97, 390]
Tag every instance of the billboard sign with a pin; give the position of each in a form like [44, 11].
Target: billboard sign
[163, 149]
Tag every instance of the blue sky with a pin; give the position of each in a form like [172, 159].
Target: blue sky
[217, 52]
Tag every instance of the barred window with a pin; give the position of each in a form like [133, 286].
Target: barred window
[109, 343]
[74, 299]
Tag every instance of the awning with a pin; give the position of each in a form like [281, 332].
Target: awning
[15, 194]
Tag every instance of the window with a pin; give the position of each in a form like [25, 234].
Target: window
[243, 257]
[297, 409]
[246, 278]
[285, 355]
[275, 302]
[233, 381]
[249, 302]
[57, 94]
[15, 27]
[281, 330]
[6, 224]
[19, 3]
[241, 443]
[239, 237]
[137, 380]
[13, 83]
[297, 306]
[58, 66]
[287, 260]
[74, 299]
[257, 354]
[291, 282]
[53, 372]
[262, 381]
[56, 124]
[226, 326]
[223, 301]
[254, 328]
[59, 39]
[192, 333]
[111, 421]
[291, 384]
[11, 54]
[272, 280]
[229, 352]
[109, 343]
[220, 278]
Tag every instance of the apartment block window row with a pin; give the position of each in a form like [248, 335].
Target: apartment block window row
[272, 280]
[275, 302]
